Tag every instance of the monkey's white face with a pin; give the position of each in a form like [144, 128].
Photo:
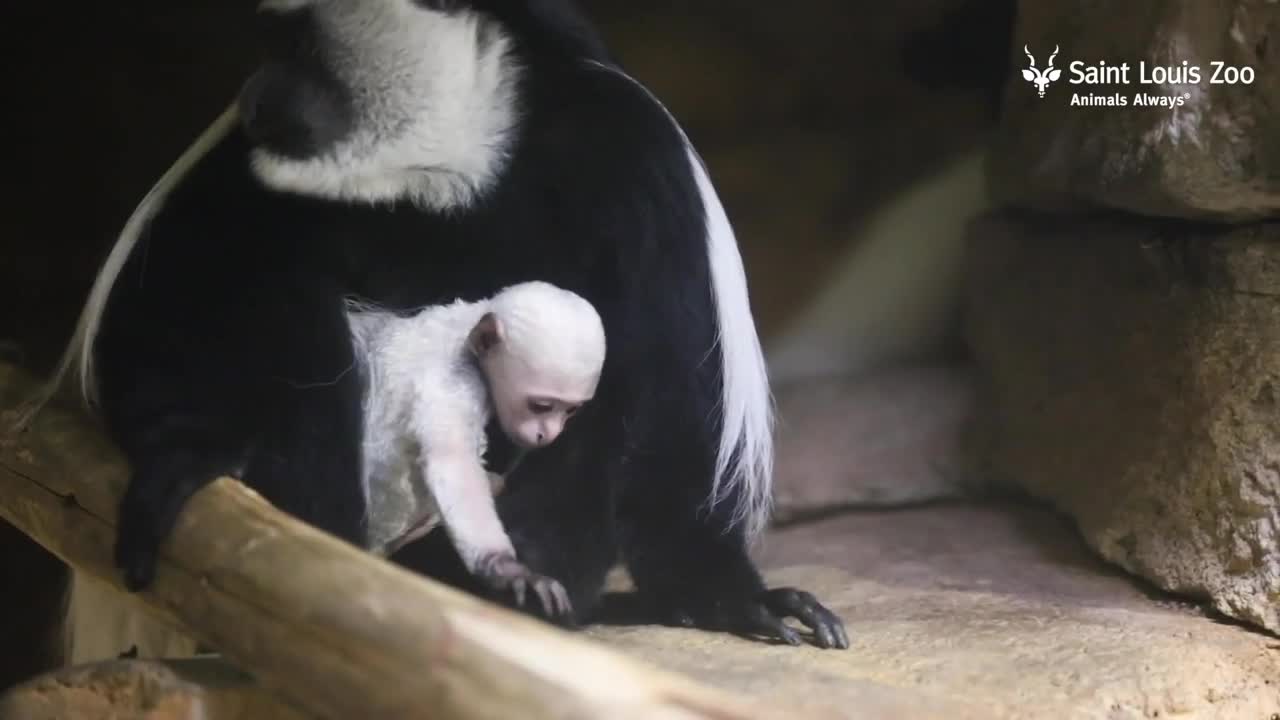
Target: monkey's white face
[533, 407]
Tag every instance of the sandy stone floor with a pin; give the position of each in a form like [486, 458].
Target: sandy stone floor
[994, 611]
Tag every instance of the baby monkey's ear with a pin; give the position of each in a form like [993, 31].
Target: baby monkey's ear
[486, 335]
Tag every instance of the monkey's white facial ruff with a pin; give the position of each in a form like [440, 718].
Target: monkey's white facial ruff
[380, 101]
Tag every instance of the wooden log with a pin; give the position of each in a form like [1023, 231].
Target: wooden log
[332, 629]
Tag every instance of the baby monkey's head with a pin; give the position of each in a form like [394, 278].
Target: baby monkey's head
[541, 349]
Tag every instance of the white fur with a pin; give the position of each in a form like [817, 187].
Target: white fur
[426, 405]
[416, 384]
[745, 458]
[435, 103]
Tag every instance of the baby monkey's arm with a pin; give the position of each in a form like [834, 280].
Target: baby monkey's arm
[462, 490]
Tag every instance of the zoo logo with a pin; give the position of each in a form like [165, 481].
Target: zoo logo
[1041, 78]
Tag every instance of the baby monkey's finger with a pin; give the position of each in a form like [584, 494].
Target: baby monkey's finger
[520, 589]
[545, 596]
[564, 607]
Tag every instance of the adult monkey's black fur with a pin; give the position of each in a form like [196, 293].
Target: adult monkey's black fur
[410, 153]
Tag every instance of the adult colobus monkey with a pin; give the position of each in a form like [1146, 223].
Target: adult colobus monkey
[414, 152]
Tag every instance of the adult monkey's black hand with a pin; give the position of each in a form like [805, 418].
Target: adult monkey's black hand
[763, 615]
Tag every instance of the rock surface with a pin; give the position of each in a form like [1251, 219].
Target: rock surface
[956, 612]
[1215, 156]
[1133, 372]
[993, 612]
[888, 438]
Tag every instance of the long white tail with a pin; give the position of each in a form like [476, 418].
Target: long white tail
[744, 462]
[79, 352]
[745, 459]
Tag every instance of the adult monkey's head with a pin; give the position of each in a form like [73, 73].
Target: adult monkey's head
[381, 100]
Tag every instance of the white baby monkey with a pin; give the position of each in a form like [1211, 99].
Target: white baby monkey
[531, 355]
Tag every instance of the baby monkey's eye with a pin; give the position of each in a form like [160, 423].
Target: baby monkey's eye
[541, 407]
[571, 410]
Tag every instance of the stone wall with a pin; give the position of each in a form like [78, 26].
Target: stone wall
[1124, 306]
[1213, 156]
[1135, 369]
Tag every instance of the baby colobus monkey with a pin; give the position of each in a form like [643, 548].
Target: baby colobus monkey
[529, 356]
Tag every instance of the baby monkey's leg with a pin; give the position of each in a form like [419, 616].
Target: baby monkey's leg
[462, 490]
[418, 530]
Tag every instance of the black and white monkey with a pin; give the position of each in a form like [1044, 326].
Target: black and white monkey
[406, 153]
[530, 356]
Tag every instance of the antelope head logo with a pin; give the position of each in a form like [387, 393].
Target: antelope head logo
[1041, 78]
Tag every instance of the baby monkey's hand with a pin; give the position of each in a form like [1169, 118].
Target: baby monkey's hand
[504, 573]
